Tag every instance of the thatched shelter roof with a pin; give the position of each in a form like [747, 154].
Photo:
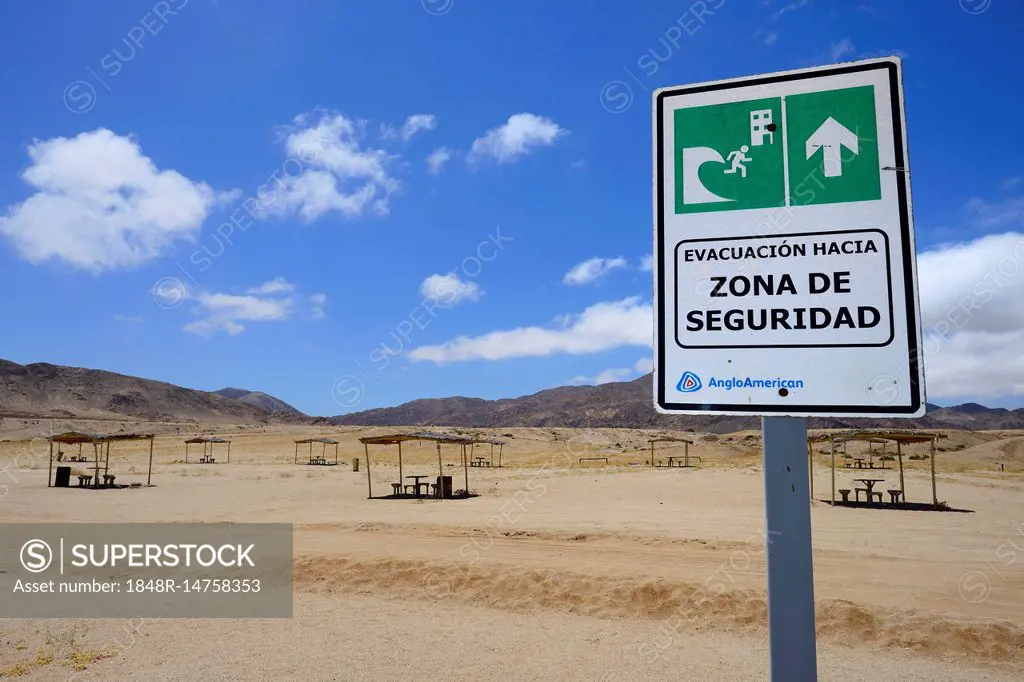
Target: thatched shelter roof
[74, 437]
[877, 436]
[393, 439]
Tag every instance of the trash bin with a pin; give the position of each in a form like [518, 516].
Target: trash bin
[446, 485]
[63, 477]
[355, 464]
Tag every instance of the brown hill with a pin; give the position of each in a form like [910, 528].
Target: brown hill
[263, 401]
[629, 405]
[44, 390]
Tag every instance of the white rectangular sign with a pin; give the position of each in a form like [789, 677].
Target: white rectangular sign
[785, 269]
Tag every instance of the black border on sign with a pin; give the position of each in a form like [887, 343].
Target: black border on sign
[904, 211]
[888, 284]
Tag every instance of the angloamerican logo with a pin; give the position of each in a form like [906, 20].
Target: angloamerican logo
[690, 382]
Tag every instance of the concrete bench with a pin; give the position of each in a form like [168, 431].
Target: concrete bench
[894, 496]
[870, 495]
[845, 492]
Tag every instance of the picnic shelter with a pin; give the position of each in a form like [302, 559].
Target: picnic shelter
[320, 459]
[208, 444]
[672, 461]
[441, 489]
[838, 441]
[99, 442]
[478, 461]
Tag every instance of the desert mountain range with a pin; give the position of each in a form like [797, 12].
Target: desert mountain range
[45, 390]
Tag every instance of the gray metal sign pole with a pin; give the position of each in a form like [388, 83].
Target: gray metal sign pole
[790, 566]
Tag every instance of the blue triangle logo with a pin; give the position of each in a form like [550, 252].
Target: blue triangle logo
[688, 383]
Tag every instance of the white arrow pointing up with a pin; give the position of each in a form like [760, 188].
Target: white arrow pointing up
[828, 137]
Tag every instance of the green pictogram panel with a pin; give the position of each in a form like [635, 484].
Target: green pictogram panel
[832, 144]
[729, 157]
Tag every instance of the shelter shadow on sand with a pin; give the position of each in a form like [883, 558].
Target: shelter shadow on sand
[899, 506]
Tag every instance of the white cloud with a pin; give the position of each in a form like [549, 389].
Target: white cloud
[417, 123]
[647, 263]
[1010, 183]
[330, 170]
[438, 158]
[972, 310]
[449, 290]
[592, 270]
[600, 327]
[413, 124]
[318, 301]
[605, 377]
[227, 312]
[272, 301]
[101, 204]
[642, 366]
[839, 50]
[520, 135]
[278, 285]
[790, 7]
[989, 215]
[771, 37]
[871, 54]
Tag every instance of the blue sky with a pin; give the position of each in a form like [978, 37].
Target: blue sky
[133, 133]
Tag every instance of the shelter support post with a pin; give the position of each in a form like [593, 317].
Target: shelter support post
[106, 463]
[935, 495]
[49, 474]
[296, 453]
[186, 452]
[400, 479]
[652, 453]
[369, 482]
[149, 472]
[96, 464]
[440, 474]
[500, 446]
[229, 452]
[899, 457]
[686, 454]
[788, 538]
[465, 466]
[832, 448]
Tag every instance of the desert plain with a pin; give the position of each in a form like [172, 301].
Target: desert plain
[557, 570]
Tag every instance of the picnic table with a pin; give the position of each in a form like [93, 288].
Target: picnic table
[417, 483]
[869, 484]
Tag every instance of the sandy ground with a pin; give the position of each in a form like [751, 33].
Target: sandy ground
[556, 571]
